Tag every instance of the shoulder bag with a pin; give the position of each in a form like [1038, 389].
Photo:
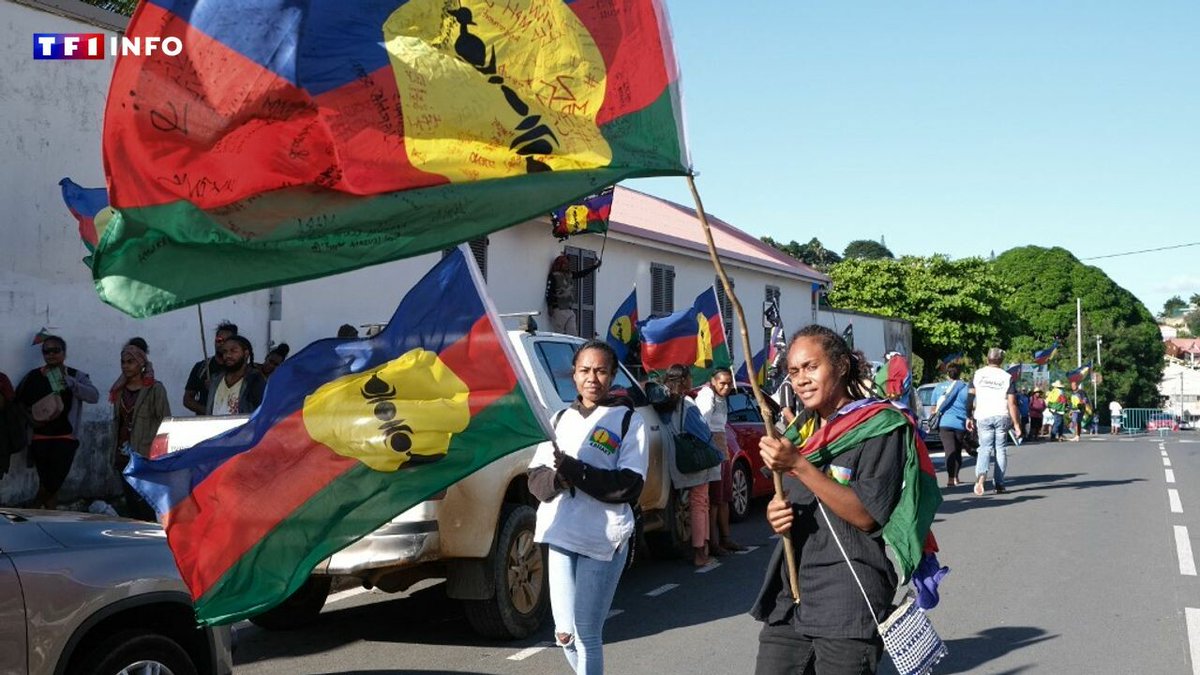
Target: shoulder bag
[935, 420]
[692, 453]
[908, 636]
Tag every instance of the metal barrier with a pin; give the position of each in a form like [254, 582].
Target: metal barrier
[1149, 420]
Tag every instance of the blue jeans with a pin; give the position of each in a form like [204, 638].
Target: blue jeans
[581, 593]
[993, 436]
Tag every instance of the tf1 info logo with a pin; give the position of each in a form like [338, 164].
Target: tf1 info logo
[96, 46]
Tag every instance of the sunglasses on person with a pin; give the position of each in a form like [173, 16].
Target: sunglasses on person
[52, 350]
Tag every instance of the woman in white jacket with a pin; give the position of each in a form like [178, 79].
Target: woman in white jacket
[586, 480]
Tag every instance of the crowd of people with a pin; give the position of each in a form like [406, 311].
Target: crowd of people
[42, 412]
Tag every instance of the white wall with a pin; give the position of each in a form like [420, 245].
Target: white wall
[50, 127]
[1177, 381]
[873, 335]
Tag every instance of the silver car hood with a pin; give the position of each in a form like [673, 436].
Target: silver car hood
[86, 530]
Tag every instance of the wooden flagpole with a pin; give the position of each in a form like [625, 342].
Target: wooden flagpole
[768, 419]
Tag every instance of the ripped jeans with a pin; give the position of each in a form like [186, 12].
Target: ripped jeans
[581, 593]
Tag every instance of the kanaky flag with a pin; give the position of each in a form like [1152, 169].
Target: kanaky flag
[90, 208]
[350, 433]
[293, 140]
[894, 378]
[712, 346]
[670, 340]
[761, 362]
[622, 333]
[1079, 373]
[908, 531]
[1014, 372]
[1043, 356]
[588, 216]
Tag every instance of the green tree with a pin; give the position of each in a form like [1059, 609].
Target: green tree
[1192, 319]
[953, 305]
[1045, 283]
[814, 254]
[1195, 300]
[124, 7]
[1173, 305]
[866, 249]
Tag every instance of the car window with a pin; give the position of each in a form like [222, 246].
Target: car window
[556, 358]
[926, 395]
[742, 408]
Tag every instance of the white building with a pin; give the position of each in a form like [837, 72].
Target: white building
[1180, 389]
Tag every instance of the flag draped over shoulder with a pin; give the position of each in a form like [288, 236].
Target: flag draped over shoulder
[588, 216]
[907, 532]
[622, 333]
[290, 140]
[350, 433]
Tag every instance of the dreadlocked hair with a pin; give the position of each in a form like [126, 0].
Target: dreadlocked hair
[856, 370]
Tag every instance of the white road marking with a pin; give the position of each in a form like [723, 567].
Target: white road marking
[749, 549]
[1187, 440]
[1183, 547]
[530, 651]
[1193, 628]
[1166, 461]
[613, 612]
[661, 589]
[708, 568]
[1173, 496]
[1164, 453]
[1170, 475]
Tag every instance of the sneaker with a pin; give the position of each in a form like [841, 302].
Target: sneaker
[1000, 489]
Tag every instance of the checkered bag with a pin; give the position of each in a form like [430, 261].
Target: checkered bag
[908, 636]
[910, 640]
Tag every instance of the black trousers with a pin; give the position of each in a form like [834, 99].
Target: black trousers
[953, 441]
[783, 651]
[52, 457]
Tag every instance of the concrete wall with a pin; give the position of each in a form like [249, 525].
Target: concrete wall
[873, 335]
[51, 115]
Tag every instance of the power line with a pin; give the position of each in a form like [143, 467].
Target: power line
[1148, 250]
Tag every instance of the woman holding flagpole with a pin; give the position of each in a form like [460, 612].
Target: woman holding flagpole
[586, 480]
[852, 459]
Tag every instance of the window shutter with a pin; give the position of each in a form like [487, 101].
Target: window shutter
[586, 293]
[479, 247]
[662, 289]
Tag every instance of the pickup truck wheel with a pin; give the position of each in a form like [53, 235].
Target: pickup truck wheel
[136, 652]
[742, 488]
[300, 609]
[518, 566]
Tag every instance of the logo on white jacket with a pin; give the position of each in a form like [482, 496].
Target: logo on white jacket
[604, 440]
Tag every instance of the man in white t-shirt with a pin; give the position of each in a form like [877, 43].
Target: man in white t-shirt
[1115, 410]
[992, 400]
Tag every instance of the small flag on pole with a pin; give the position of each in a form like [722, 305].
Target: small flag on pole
[588, 216]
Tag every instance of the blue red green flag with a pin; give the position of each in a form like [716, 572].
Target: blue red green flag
[761, 362]
[88, 205]
[1014, 371]
[1043, 356]
[293, 140]
[669, 340]
[622, 333]
[588, 216]
[1079, 373]
[949, 360]
[350, 433]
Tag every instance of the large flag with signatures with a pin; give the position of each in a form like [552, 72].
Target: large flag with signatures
[291, 140]
[350, 433]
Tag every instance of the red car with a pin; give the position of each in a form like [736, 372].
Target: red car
[1162, 421]
[745, 426]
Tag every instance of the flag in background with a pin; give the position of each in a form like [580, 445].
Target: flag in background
[759, 363]
[1043, 356]
[1079, 373]
[87, 205]
[350, 433]
[712, 345]
[1014, 372]
[848, 335]
[816, 295]
[41, 336]
[622, 333]
[588, 216]
[950, 360]
[306, 140]
[894, 378]
[669, 340]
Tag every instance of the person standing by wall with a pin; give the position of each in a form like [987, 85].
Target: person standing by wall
[712, 400]
[992, 399]
[586, 481]
[238, 389]
[139, 406]
[680, 414]
[54, 395]
[1037, 412]
[560, 294]
[195, 392]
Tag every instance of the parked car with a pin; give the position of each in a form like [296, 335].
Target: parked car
[84, 594]
[1162, 421]
[478, 533]
[744, 429]
[927, 395]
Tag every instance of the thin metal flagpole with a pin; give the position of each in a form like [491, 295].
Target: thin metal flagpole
[768, 419]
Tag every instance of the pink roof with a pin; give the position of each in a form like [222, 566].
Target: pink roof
[1189, 345]
[647, 217]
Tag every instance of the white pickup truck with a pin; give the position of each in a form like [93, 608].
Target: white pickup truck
[478, 533]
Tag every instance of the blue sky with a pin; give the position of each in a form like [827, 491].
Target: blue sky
[952, 127]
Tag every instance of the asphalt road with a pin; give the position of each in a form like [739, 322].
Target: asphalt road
[1085, 566]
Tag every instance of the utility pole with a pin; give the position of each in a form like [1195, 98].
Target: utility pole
[1095, 372]
[1078, 333]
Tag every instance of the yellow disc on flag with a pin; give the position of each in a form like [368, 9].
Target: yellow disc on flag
[405, 410]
